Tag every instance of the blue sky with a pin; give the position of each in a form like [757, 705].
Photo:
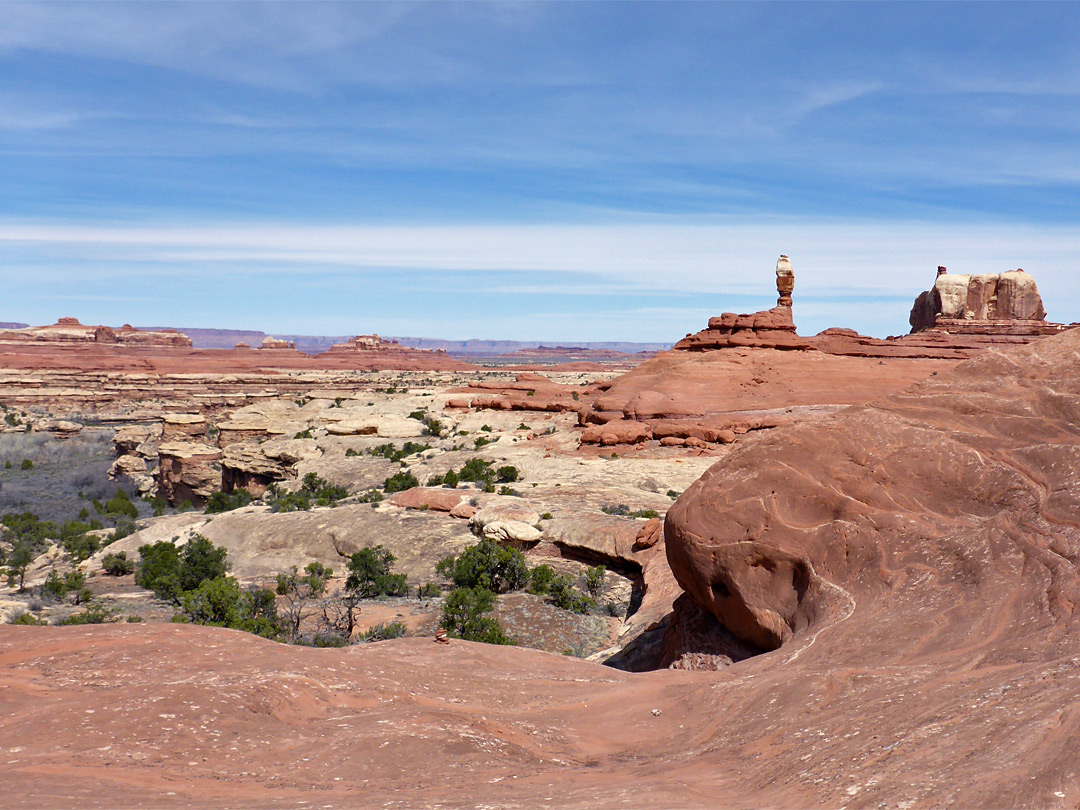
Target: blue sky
[560, 172]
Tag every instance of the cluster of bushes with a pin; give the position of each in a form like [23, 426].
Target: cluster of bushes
[561, 589]
[195, 579]
[314, 491]
[488, 569]
[397, 454]
[400, 481]
[622, 510]
[56, 587]
[432, 426]
[118, 564]
[479, 472]
[27, 535]
[227, 501]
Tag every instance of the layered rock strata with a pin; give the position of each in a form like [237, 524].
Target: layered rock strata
[69, 330]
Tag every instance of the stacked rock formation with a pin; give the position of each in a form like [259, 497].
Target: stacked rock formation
[772, 328]
[984, 304]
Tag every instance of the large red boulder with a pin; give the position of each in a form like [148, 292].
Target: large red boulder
[946, 516]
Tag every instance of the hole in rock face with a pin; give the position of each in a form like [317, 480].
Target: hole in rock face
[720, 590]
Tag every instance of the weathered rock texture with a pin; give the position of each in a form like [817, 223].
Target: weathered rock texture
[985, 304]
[188, 472]
[937, 526]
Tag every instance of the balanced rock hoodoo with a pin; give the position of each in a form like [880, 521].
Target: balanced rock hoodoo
[772, 328]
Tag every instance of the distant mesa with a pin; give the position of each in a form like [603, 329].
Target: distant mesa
[374, 343]
[70, 331]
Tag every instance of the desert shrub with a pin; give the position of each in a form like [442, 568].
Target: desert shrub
[448, 479]
[221, 603]
[508, 491]
[399, 482]
[433, 427]
[28, 619]
[622, 510]
[27, 526]
[546, 516]
[303, 434]
[477, 470]
[488, 566]
[323, 639]
[96, 613]
[76, 542]
[53, 587]
[427, 590]
[371, 574]
[299, 592]
[314, 491]
[481, 441]
[227, 501]
[463, 616]
[159, 570]
[673, 494]
[383, 632]
[201, 560]
[16, 563]
[562, 594]
[393, 453]
[124, 528]
[506, 475]
[120, 505]
[118, 564]
[371, 496]
[540, 579]
[168, 572]
[27, 464]
[351, 452]
[594, 581]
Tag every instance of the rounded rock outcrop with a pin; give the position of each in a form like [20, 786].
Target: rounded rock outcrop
[951, 505]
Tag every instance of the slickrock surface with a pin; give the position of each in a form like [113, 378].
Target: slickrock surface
[744, 381]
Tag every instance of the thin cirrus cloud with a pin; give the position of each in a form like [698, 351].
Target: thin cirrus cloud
[727, 263]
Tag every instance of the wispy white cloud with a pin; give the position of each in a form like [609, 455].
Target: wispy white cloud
[737, 256]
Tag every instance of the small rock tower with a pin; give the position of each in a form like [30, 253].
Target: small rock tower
[785, 281]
